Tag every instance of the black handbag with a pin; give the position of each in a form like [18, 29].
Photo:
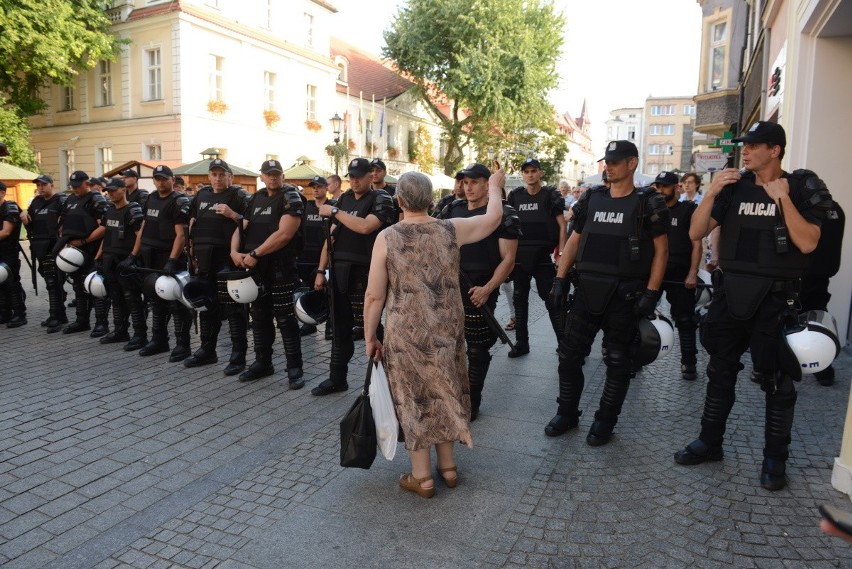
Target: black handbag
[358, 442]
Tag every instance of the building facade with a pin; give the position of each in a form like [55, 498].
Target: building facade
[579, 161]
[667, 128]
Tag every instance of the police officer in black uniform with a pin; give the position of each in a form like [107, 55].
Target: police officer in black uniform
[134, 192]
[82, 227]
[122, 221]
[160, 245]
[358, 217]
[823, 264]
[269, 245]
[314, 240]
[485, 265]
[540, 209]
[213, 216]
[42, 221]
[619, 245]
[458, 193]
[770, 221]
[684, 259]
[13, 310]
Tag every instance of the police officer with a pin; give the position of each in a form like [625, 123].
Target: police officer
[314, 240]
[619, 246]
[684, 258]
[770, 221]
[484, 266]
[358, 217]
[42, 221]
[134, 192]
[122, 221]
[13, 310]
[269, 245]
[458, 193]
[823, 264]
[82, 227]
[160, 245]
[540, 209]
[213, 216]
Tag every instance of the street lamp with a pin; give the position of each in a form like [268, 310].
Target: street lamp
[336, 127]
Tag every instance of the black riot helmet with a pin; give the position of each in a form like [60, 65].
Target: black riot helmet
[312, 307]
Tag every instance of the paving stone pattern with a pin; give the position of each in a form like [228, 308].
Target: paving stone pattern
[110, 460]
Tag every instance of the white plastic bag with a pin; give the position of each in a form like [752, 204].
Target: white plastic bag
[384, 415]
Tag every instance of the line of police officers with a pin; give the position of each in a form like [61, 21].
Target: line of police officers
[628, 245]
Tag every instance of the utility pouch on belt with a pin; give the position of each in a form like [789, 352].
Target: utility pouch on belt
[340, 274]
[744, 294]
[597, 291]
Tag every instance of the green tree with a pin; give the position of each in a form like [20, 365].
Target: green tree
[491, 62]
[15, 133]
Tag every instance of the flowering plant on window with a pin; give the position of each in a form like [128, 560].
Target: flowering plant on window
[271, 118]
[351, 144]
[313, 125]
[393, 153]
[217, 107]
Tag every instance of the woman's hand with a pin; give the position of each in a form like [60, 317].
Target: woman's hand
[375, 351]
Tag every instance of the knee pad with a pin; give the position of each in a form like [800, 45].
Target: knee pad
[478, 353]
[616, 357]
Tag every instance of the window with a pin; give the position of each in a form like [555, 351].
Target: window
[67, 164]
[655, 129]
[268, 14]
[154, 151]
[311, 108]
[309, 29]
[631, 133]
[653, 168]
[668, 129]
[216, 78]
[153, 83]
[368, 124]
[689, 110]
[655, 110]
[343, 74]
[104, 160]
[268, 91]
[271, 157]
[391, 140]
[716, 57]
[104, 84]
[654, 149]
[68, 98]
[609, 133]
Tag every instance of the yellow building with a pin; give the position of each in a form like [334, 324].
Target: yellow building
[667, 135]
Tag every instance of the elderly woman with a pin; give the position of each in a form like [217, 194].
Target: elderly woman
[424, 353]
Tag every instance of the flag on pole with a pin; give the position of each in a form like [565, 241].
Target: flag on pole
[382, 120]
[360, 111]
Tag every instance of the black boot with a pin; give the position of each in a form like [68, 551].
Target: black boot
[688, 353]
[293, 352]
[262, 367]
[615, 390]
[522, 333]
[780, 409]
[116, 336]
[307, 330]
[206, 354]
[237, 327]
[183, 322]
[478, 362]
[159, 333]
[824, 377]
[571, 383]
[338, 370]
[717, 406]
[55, 295]
[18, 307]
[5, 306]
[101, 306]
[136, 307]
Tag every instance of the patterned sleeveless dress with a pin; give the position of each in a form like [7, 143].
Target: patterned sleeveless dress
[424, 347]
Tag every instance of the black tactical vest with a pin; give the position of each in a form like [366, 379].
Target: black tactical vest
[538, 224]
[747, 238]
[264, 213]
[483, 256]
[139, 196]
[314, 233]
[350, 246]
[78, 217]
[211, 229]
[605, 244]
[159, 230]
[680, 245]
[121, 225]
[10, 212]
[824, 261]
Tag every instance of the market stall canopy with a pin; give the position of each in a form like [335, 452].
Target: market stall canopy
[639, 180]
[19, 184]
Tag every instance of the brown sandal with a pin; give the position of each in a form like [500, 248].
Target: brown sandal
[510, 325]
[412, 484]
[450, 482]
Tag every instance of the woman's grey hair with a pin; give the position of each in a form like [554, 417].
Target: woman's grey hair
[414, 191]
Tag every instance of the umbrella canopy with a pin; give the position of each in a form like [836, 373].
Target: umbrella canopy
[306, 172]
[442, 182]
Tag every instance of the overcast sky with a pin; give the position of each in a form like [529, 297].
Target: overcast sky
[615, 54]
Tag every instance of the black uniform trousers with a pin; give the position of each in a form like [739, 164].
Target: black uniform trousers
[84, 300]
[522, 277]
[682, 301]
[116, 290]
[726, 339]
[478, 337]
[11, 291]
[54, 279]
[163, 310]
[278, 279]
[348, 312]
[210, 261]
[581, 326]
[814, 294]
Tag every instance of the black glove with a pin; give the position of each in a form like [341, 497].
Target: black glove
[647, 303]
[172, 266]
[558, 294]
[129, 263]
[99, 265]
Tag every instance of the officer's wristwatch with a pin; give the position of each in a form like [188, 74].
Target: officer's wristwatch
[334, 211]
[253, 254]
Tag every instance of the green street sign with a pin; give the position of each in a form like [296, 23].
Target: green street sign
[725, 142]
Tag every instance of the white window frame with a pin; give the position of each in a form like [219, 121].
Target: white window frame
[654, 149]
[655, 129]
[68, 98]
[668, 129]
[104, 160]
[631, 133]
[311, 102]
[152, 80]
[269, 91]
[717, 46]
[216, 78]
[308, 21]
[655, 110]
[154, 151]
[104, 83]
[67, 164]
[689, 110]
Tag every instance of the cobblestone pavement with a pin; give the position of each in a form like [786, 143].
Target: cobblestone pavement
[111, 460]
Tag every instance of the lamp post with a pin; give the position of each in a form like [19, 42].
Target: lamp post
[336, 125]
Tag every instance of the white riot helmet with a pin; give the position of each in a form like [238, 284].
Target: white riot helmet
[170, 287]
[243, 290]
[705, 293]
[5, 271]
[70, 259]
[656, 338]
[94, 284]
[814, 343]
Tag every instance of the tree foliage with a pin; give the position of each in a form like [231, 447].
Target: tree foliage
[483, 66]
[49, 41]
[15, 132]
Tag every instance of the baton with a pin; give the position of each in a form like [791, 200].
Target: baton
[488, 315]
[32, 267]
[697, 285]
[329, 285]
